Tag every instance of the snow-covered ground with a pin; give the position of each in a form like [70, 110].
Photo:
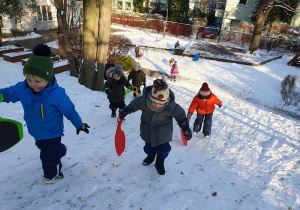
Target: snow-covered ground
[251, 160]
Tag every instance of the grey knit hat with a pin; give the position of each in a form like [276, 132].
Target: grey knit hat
[118, 70]
[137, 64]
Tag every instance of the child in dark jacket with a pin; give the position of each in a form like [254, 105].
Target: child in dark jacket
[44, 104]
[204, 103]
[158, 108]
[138, 77]
[114, 88]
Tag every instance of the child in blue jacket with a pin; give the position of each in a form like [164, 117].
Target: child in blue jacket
[44, 104]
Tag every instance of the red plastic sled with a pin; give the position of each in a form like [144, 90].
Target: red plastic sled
[183, 138]
[120, 138]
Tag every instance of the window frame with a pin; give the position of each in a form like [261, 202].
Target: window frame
[242, 2]
[44, 13]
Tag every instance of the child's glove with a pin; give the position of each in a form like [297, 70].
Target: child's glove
[1, 97]
[187, 133]
[220, 106]
[127, 110]
[85, 129]
[189, 115]
[184, 125]
[107, 91]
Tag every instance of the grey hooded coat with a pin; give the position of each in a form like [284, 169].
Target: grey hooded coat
[157, 126]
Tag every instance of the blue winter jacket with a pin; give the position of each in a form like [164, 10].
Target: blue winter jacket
[44, 111]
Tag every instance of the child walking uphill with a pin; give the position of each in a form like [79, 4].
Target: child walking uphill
[204, 103]
[138, 77]
[158, 108]
[114, 88]
[45, 104]
[174, 71]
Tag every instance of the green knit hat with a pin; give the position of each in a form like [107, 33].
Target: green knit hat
[40, 64]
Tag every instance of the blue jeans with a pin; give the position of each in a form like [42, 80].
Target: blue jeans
[51, 152]
[207, 118]
[162, 150]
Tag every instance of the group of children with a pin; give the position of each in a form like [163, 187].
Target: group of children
[45, 104]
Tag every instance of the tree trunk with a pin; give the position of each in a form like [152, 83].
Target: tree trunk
[63, 6]
[293, 60]
[67, 40]
[90, 30]
[60, 36]
[104, 39]
[1, 34]
[264, 10]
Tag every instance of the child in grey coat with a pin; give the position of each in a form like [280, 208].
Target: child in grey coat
[158, 108]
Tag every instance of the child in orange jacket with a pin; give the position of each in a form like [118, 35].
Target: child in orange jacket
[204, 102]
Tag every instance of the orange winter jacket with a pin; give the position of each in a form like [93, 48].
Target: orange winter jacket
[204, 107]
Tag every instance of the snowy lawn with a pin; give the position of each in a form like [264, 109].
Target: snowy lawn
[251, 160]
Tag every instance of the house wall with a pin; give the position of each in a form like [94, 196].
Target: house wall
[236, 12]
[33, 22]
[194, 4]
[30, 21]
[296, 19]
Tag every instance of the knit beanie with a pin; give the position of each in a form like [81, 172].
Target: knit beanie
[137, 64]
[118, 70]
[40, 63]
[204, 92]
[160, 92]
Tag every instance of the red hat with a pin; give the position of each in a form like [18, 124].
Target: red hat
[204, 92]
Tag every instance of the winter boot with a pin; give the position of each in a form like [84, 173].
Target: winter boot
[148, 160]
[49, 181]
[113, 113]
[159, 165]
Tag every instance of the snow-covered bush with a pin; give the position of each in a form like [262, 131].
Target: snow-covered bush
[245, 25]
[118, 46]
[281, 27]
[288, 94]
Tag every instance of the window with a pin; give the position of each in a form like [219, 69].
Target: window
[243, 2]
[49, 13]
[44, 13]
[220, 5]
[127, 6]
[119, 4]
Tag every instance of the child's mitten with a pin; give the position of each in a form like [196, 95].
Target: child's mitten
[85, 129]
[184, 125]
[189, 115]
[127, 110]
[107, 91]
